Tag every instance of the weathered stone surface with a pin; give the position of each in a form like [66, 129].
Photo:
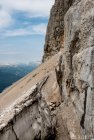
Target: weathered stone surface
[31, 115]
[56, 101]
[31, 118]
[54, 41]
[79, 48]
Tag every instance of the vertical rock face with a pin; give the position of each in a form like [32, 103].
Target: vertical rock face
[79, 48]
[61, 104]
[54, 41]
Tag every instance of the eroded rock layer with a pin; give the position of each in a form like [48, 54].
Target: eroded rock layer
[56, 101]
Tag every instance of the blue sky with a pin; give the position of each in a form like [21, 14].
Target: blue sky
[22, 30]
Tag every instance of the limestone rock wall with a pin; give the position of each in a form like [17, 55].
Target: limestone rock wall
[57, 100]
[54, 40]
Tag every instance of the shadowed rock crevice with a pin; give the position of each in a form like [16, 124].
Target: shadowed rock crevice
[83, 116]
[59, 74]
[13, 131]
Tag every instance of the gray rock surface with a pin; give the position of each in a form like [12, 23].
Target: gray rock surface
[54, 40]
[56, 101]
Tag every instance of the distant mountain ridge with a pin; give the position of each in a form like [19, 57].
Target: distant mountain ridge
[20, 64]
[11, 73]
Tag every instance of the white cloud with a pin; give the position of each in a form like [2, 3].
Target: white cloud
[39, 29]
[9, 53]
[5, 19]
[30, 30]
[32, 8]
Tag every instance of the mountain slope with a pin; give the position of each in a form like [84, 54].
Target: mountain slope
[55, 102]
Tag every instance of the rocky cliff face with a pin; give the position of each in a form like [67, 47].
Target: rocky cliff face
[54, 40]
[56, 101]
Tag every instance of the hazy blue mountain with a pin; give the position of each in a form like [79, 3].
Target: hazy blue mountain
[11, 73]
